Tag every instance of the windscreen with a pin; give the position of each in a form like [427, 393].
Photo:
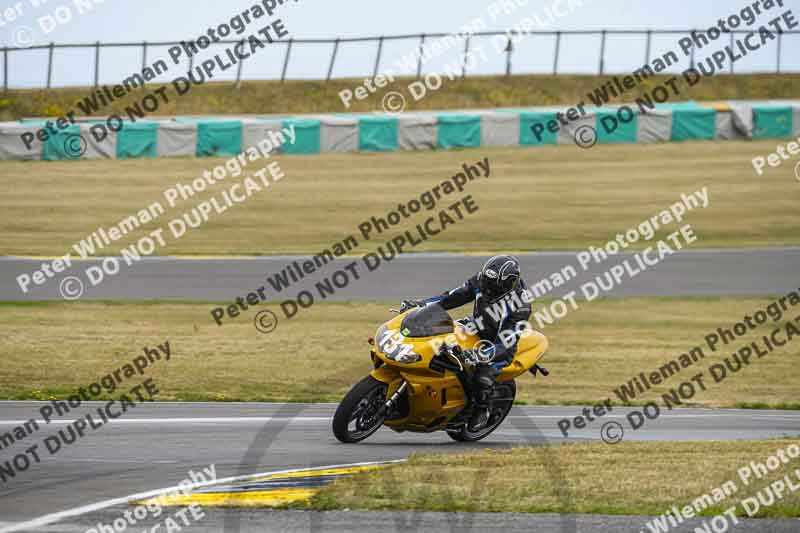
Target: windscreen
[427, 321]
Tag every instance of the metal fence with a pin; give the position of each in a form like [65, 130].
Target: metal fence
[421, 39]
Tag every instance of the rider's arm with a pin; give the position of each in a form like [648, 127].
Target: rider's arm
[456, 297]
[505, 345]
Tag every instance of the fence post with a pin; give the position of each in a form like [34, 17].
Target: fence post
[191, 62]
[647, 47]
[602, 50]
[49, 64]
[555, 56]
[691, 56]
[466, 54]
[778, 55]
[333, 59]
[286, 60]
[5, 69]
[144, 59]
[96, 63]
[509, 49]
[732, 50]
[378, 57]
[419, 60]
[238, 84]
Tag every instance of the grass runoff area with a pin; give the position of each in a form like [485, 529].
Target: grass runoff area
[543, 198]
[53, 348]
[265, 97]
[629, 478]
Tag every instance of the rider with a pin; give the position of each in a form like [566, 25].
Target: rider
[499, 308]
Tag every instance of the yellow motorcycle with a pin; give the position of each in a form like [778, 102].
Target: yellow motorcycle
[423, 363]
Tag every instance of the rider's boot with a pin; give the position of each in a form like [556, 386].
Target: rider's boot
[483, 381]
[479, 418]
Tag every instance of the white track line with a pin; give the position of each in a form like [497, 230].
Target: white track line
[678, 415]
[410, 256]
[262, 419]
[99, 506]
[209, 420]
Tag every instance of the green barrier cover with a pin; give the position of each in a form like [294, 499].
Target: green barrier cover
[307, 136]
[672, 106]
[458, 131]
[216, 138]
[772, 122]
[65, 143]
[137, 139]
[693, 124]
[527, 120]
[614, 127]
[377, 134]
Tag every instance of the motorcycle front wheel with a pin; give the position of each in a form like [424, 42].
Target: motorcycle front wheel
[357, 416]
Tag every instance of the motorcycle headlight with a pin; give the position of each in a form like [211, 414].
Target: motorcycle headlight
[408, 357]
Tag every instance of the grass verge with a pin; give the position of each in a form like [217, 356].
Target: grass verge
[50, 349]
[545, 198]
[630, 478]
[310, 96]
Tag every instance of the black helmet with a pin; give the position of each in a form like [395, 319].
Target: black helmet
[499, 276]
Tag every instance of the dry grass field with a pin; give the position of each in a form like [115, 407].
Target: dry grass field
[633, 478]
[51, 349]
[545, 198]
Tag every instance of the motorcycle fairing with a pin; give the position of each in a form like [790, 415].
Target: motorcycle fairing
[434, 398]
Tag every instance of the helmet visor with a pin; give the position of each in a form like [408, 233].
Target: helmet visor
[499, 286]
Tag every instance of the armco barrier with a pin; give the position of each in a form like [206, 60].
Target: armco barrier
[225, 136]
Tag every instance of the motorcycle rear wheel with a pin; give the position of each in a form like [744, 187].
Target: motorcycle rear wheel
[356, 417]
[503, 396]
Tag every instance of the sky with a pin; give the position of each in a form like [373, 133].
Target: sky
[36, 22]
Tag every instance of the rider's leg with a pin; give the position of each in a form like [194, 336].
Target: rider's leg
[483, 380]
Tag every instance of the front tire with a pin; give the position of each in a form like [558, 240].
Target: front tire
[357, 416]
[502, 400]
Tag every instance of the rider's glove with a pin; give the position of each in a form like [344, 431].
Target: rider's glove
[405, 305]
[468, 355]
[476, 357]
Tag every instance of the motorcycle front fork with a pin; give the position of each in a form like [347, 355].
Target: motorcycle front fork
[387, 407]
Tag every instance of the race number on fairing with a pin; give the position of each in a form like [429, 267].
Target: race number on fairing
[390, 343]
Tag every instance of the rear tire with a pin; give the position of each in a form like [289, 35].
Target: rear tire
[356, 417]
[503, 396]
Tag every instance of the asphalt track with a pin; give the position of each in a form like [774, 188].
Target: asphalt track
[155, 445]
[686, 273]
